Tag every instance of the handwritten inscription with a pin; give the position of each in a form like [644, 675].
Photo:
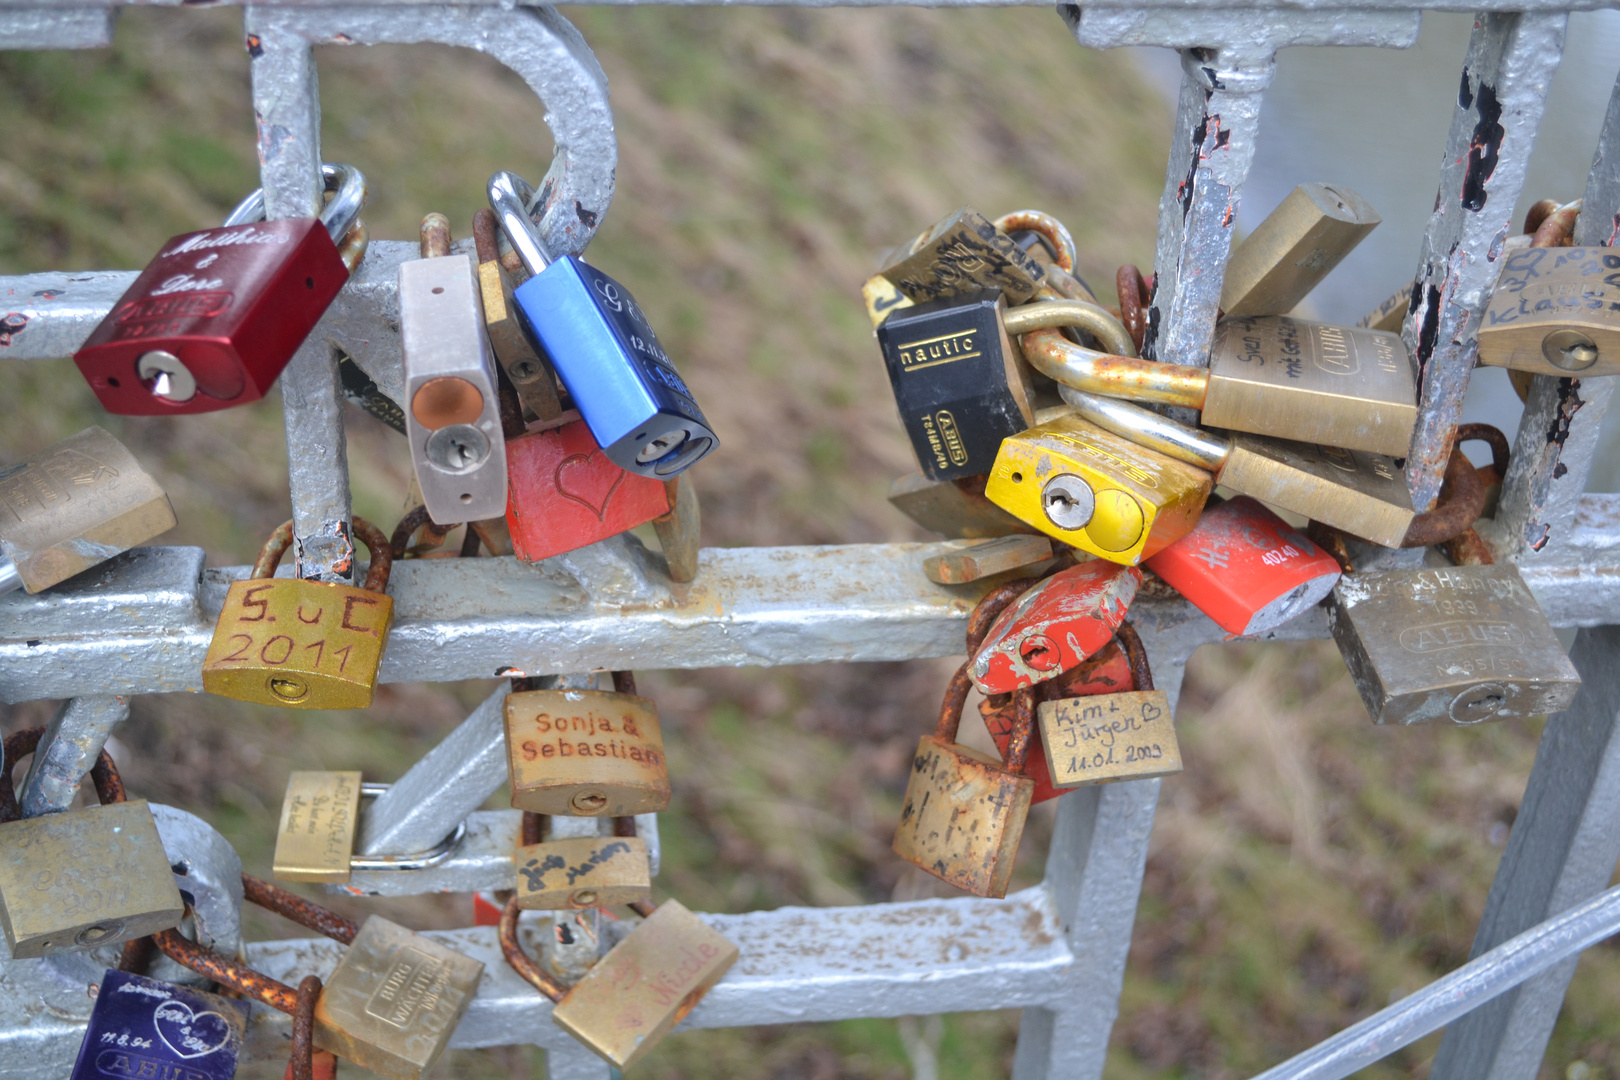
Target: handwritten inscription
[1096, 739]
[1549, 284]
[318, 820]
[298, 629]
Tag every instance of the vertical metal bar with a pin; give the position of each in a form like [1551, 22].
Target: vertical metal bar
[1509, 66]
[287, 113]
[1094, 872]
[1558, 434]
[1217, 119]
[68, 751]
[1561, 852]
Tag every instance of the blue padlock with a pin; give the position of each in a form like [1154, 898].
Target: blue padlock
[622, 382]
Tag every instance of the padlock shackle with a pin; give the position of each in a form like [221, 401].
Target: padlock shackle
[1147, 428]
[510, 196]
[19, 744]
[301, 1056]
[520, 961]
[305, 913]
[348, 185]
[1134, 300]
[1050, 228]
[1116, 375]
[239, 977]
[1557, 228]
[1135, 655]
[1094, 319]
[382, 553]
[1023, 731]
[950, 710]
[1462, 501]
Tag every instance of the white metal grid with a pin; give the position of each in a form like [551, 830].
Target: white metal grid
[141, 623]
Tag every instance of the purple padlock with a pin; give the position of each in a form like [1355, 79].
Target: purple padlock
[143, 1029]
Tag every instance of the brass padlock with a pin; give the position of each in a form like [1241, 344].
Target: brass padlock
[586, 753]
[954, 508]
[1106, 737]
[81, 878]
[394, 1000]
[1363, 494]
[75, 505]
[302, 644]
[1555, 311]
[679, 531]
[1294, 248]
[1464, 643]
[964, 811]
[638, 992]
[319, 816]
[1096, 491]
[963, 253]
[573, 873]
[1272, 375]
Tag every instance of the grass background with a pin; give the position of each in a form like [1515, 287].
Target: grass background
[1306, 869]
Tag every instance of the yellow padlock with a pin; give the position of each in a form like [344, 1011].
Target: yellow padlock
[302, 644]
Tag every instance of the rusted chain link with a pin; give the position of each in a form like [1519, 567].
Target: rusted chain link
[1492, 435]
[305, 913]
[109, 785]
[432, 535]
[1558, 228]
[520, 961]
[1462, 500]
[301, 1060]
[1134, 298]
[382, 553]
[239, 977]
[1534, 216]
[1135, 655]
[624, 682]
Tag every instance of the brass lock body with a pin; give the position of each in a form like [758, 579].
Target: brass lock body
[1294, 248]
[881, 297]
[1555, 311]
[530, 373]
[74, 506]
[646, 985]
[1464, 643]
[394, 1000]
[1108, 737]
[1312, 382]
[963, 253]
[301, 644]
[1097, 491]
[585, 753]
[84, 878]
[319, 816]
[954, 508]
[963, 816]
[583, 872]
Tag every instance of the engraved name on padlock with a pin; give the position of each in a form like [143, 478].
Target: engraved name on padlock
[319, 816]
[585, 753]
[72, 506]
[303, 644]
[144, 1029]
[1095, 740]
[1555, 311]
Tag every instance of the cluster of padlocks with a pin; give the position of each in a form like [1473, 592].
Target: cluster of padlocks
[533, 385]
[1018, 390]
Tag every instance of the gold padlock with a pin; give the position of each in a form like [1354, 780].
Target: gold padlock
[1294, 248]
[81, 878]
[72, 506]
[960, 254]
[529, 371]
[302, 644]
[319, 816]
[586, 753]
[1096, 491]
[964, 812]
[638, 992]
[582, 871]
[1100, 738]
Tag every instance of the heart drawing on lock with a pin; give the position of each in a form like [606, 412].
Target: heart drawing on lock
[576, 469]
[190, 1034]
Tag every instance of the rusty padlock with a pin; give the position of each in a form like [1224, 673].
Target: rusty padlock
[1053, 626]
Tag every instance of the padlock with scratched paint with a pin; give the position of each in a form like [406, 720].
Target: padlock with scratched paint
[962, 253]
[302, 644]
[83, 878]
[618, 376]
[564, 493]
[1246, 568]
[1124, 735]
[73, 506]
[1294, 248]
[141, 1027]
[1053, 626]
[1363, 494]
[453, 420]
[586, 753]
[963, 812]
[216, 316]
[1271, 375]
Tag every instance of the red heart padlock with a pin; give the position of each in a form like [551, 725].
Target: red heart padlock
[1053, 626]
[563, 493]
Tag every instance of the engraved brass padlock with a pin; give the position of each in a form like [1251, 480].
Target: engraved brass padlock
[1464, 643]
[72, 506]
[1555, 311]
[319, 816]
[394, 1000]
[1096, 491]
[964, 812]
[1363, 494]
[1294, 248]
[1108, 737]
[962, 253]
[585, 753]
[579, 872]
[302, 644]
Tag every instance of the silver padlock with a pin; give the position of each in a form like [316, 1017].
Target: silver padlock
[452, 414]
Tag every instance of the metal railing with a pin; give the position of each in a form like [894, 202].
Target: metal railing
[142, 622]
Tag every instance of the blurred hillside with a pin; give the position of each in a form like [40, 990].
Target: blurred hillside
[1307, 868]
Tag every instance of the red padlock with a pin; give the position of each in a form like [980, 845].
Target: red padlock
[563, 493]
[1053, 626]
[213, 320]
[1110, 674]
[1246, 568]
